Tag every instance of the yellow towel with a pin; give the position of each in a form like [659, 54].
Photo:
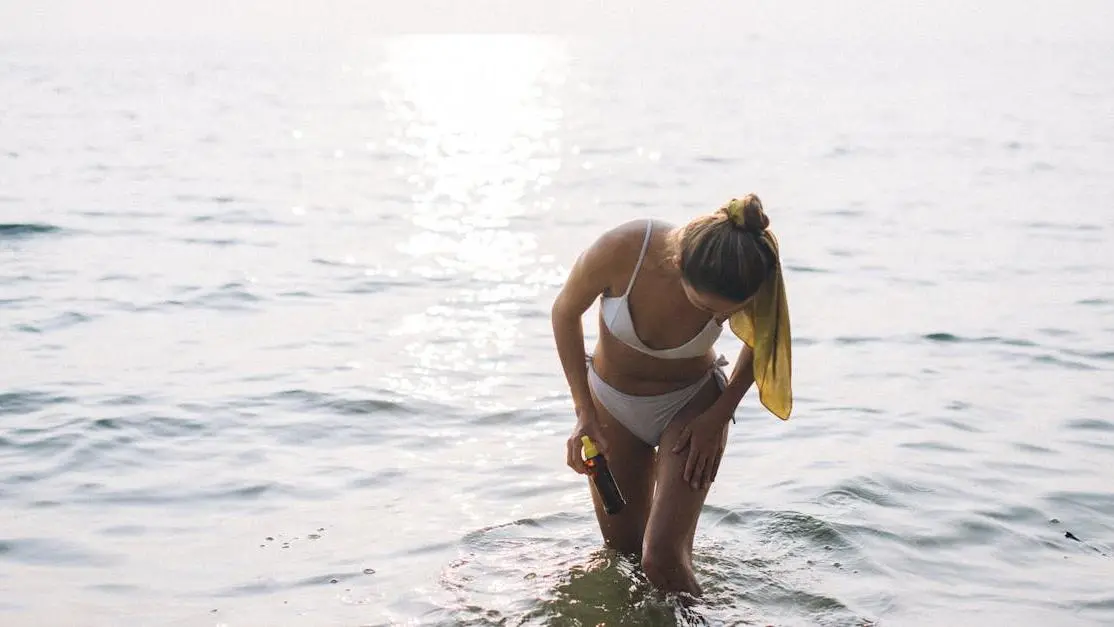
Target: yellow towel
[763, 324]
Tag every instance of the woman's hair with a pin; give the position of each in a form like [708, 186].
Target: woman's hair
[725, 253]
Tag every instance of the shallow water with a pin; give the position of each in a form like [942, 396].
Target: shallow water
[277, 348]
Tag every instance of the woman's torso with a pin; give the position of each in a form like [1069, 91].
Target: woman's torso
[653, 315]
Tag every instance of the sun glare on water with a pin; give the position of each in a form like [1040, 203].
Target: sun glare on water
[478, 119]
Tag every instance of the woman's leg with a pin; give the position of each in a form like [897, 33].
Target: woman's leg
[632, 463]
[675, 507]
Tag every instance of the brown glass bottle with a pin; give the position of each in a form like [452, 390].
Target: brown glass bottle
[602, 478]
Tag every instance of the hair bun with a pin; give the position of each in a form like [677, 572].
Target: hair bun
[747, 213]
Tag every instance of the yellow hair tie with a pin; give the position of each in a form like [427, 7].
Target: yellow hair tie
[734, 211]
[747, 213]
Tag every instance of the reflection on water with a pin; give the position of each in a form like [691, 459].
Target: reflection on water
[477, 117]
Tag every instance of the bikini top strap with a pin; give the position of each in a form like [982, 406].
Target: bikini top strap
[641, 256]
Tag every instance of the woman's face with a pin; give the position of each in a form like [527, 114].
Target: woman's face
[715, 305]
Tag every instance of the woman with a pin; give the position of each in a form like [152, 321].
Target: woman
[652, 395]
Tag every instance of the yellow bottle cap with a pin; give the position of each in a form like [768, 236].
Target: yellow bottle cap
[589, 448]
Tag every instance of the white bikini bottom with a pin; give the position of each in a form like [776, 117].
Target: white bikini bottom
[648, 416]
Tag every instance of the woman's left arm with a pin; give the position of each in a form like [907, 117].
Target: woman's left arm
[705, 436]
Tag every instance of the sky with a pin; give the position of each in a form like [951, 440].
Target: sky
[344, 19]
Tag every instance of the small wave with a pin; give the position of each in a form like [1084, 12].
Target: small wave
[1104, 355]
[838, 152]
[117, 278]
[935, 446]
[782, 576]
[217, 199]
[126, 399]
[1027, 447]
[968, 426]
[964, 533]
[344, 419]
[858, 340]
[347, 262]
[116, 215]
[1098, 604]
[55, 323]
[1052, 360]
[1091, 424]
[379, 284]
[374, 479]
[145, 427]
[39, 444]
[228, 297]
[942, 337]
[1015, 514]
[1056, 226]
[236, 216]
[1100, 503]
[270, 586]
[714, 160]
[50, 552]
[121, 589]
[5, 302]
[797, 525]
[336, 404]
[604, 150]
[988, 339]
[212, 241]
[27, 402]
[78, 445]
[512, 417]
[22, 230]
[168, 495]
[843, 213]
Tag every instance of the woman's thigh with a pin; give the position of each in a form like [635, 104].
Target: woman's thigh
[632, 463]
[676, 506]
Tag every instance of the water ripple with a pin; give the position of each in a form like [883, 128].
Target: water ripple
[270, 586]
[23, 230]
[226, 492]
[233, 296]
[540, 570]
[415, 204]
[55, 323]
[50, 552]
[1091, 424]
[989, 339]
[332, 403]
[26, 402]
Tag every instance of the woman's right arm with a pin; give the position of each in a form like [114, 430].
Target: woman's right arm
[588, 278]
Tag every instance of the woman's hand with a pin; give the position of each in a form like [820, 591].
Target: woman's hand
[586, 424]
[705, 437]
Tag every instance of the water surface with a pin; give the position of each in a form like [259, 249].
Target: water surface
[277, 347]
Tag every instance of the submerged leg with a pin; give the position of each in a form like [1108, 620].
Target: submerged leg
[632, 463]
[675, 508]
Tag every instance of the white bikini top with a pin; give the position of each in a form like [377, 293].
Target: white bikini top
[617, 317]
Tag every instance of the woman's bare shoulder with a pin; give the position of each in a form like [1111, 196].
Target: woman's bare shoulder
[619, 245]
[602, 264]
[613, 250]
